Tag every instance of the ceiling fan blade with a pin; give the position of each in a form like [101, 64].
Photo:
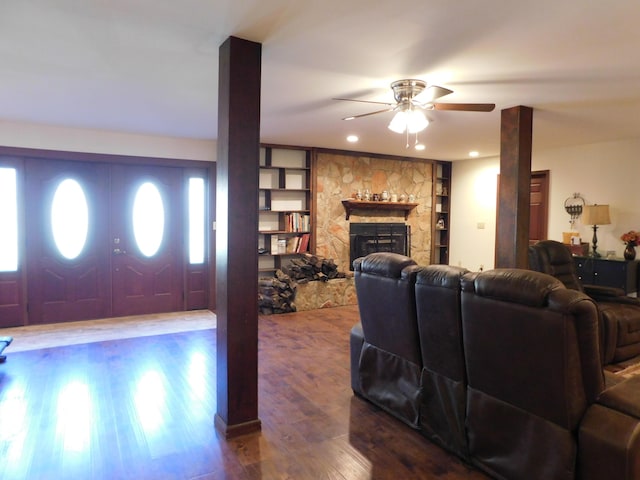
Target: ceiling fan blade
[465, 107]
[370, 113]
[431, 93]
[363, 101]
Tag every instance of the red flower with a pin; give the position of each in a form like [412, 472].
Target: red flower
[631, 238]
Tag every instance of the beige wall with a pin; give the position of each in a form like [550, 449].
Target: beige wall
[603, 173]
[49, 137]
[341, 175]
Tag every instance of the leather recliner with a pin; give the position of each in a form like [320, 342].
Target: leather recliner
[386, 363]
[536, 385]
[442, 414]
[620, 314]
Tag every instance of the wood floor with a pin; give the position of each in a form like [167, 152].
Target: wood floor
[34, 337]
[143, 408]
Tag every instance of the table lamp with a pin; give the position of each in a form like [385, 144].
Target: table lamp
[595, 215]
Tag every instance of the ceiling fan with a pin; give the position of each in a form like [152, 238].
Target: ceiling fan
[411, 98]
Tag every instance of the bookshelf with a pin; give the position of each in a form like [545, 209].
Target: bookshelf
[441, 213]
[284, 206]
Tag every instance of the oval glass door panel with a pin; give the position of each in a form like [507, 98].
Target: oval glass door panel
[69, 218]
[148, 219]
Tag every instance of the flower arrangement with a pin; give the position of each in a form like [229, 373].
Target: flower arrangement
[631, 238]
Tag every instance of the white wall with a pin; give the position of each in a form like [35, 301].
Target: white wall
[473, 204]
[603, 173]
[49, 137]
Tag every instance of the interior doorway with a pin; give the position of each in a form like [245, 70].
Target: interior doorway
[538, 206]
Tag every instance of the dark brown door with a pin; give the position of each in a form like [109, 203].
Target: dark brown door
[68, 274]
[145, 245]
[539, 206]
[108, 269]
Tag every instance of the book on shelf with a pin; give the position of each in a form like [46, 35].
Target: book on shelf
[274, 244]
[296, 222]
[304, 243]
[293, 244]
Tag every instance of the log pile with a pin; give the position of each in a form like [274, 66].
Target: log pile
[308, 267]
[276, 294]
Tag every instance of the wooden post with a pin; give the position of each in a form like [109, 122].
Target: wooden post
[512, 225]
[237, 237]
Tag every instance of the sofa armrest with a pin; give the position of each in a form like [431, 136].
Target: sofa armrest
[599, 292]
[609, 436]
[623, 397]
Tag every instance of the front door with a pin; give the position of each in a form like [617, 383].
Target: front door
[68, 271]
[146, 233]
[103, 240]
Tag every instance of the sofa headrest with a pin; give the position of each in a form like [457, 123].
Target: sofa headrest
[554, 258]
[513, 285]
[385, 264]
[556, 253]
[445, 276]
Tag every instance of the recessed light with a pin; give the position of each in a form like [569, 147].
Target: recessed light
[473, 153]
[352, 138]
[420, 146]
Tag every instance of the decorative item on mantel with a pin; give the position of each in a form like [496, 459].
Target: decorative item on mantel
[351, 204]
[631, 239]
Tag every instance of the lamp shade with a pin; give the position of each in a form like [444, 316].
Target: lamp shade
[596, 215]
[409, 120]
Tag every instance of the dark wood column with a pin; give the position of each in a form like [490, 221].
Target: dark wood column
[237, 237]
[512, 225]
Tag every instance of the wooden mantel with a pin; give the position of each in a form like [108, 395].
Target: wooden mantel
[351, 204]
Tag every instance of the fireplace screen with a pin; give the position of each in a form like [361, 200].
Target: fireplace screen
[366, 238]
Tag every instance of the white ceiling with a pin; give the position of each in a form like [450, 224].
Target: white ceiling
[150, 66]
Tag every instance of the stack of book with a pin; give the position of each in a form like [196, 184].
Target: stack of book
[297, 222]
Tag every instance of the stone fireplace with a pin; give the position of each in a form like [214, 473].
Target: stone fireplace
[339, 175]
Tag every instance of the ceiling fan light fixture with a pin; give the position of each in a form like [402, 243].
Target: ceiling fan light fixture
[398, 123]
[411, 121]
[416, 121]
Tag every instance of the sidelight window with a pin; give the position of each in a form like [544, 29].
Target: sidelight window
[196, 220]
[8, 220]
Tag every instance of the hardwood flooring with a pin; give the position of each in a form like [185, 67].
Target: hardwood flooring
[34, 337]
[143, 408]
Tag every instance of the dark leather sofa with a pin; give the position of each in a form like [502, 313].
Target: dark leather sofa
[619, 314]
[511, 376]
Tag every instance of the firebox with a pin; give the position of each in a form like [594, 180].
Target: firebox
[366, 238]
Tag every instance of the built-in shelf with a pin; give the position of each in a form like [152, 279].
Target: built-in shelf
[350, 205]
[285, 204]
[440, 216]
